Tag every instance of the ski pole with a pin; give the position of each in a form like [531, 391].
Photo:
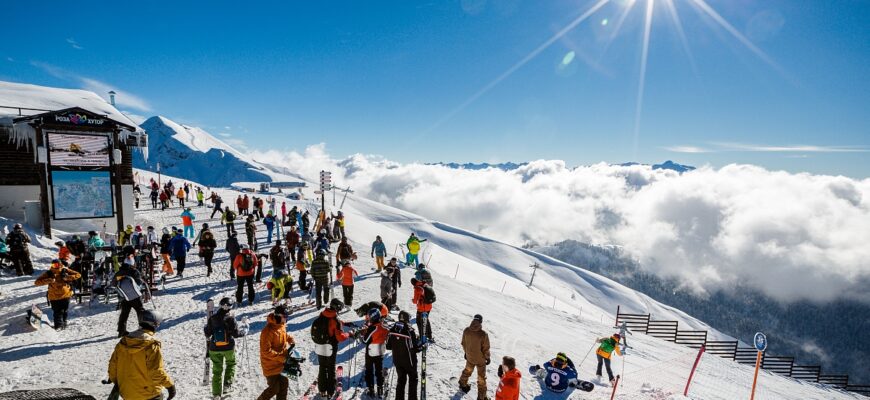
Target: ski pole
[587, 355]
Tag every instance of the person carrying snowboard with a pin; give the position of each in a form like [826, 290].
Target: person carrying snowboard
[187, 219]
[245, 265]
[207, 244]
[475, 344]
[58, 279]
[128, 281]
[375, 337]
[605, 351]
[321, 273]
[423, 299]
[413, 245]
[557, 374]
[346, 276]
[509, 385]
[136, 365]
[221, 331]
[379, 251]
[403, 343]
[327, 332]
[275, 344]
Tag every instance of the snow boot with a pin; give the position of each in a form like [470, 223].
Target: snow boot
[465, 388]
[380, 392]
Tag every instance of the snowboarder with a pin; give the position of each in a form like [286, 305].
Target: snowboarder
[604, 352]
[233, 249]
[275, 344]
[404, 345]
[396, 274]
[128, 280]
[346, 275]
[475, 344]
[221, 331]
[187, 219]
[58, 279]
[558, 374]
[424, 305]
[251, 232]
[18, 242]
[207, 244]
[228, 218]
[379, 251]
[413, 245]
[179, 246]
[245, 264]
[509, 385]
[327, 332]
[136, 365]
[320, 272]
[269, 221]
[375, 338]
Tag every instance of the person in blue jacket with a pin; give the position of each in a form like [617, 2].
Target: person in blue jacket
[180, 246]
[557, 374]
[269, 221]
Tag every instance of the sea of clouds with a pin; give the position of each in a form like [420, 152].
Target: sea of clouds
[792, 235]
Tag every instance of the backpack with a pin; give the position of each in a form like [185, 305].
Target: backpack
[219, 334]
[247, 262]
[320, 330]
[14, 240]
[129, 289]
[231, 216]
[428, 294]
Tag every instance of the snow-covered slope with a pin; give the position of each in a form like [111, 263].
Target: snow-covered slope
[522, 322]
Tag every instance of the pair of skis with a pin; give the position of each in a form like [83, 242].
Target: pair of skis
[425, 340]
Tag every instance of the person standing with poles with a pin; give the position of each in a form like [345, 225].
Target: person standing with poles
[221, 331]
[275, 344]
[327, 332]
[475, 344]
[605, 350]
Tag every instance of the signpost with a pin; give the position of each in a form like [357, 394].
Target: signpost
[760, 342]
[325, 185]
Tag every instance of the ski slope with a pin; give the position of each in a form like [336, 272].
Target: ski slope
[523, 322]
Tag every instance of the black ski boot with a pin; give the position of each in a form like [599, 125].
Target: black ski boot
[465, 388]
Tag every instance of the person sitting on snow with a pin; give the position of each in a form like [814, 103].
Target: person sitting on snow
[557, 374]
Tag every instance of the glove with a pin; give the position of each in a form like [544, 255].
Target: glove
[487, 361]
[171, 391]
[500, 372]
[465, 356]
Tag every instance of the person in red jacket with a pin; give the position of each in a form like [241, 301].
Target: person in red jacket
[375, 338]
[422, 307]
[509, 386]
[245, 265]
[346, 276]
[327, 352]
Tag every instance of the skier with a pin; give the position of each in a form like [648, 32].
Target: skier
[424, 305]
[164, 200]
[269, 221]
[251, 232]
[303, 262]
[338, 226]
[245, 264]
[221, 331]
[344, 252]
[403, 343]
[179, 246]
[558, 374]
[181, 194]
[280, 285]
[379, 251]
[233, 249]
[136, 365]
[387, 288]
[396, 274]
[346, 276]
[423, 274]
[475, 344]
[293, 239]
[58, 278]
[327, 333]
[604, 352]
[413, 245]
[228, 219]
[320, 272]
[375, 337]
[128, 280]
[187, 219]
[217, 201]
[18, 242]
[166, 251]
[306, 221]
[275, 344]
[278, 256]
[207, 244]
[153, 197]
[509, 385]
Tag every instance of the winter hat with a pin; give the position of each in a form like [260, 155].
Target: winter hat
[478, 318]
[150, 320]
[59, 243]
[204, 226]
[138, 228]
[616, 335]
[55, 263]
[165, 230]
[281, 310]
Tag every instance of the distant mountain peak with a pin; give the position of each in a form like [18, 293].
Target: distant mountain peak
[673, 166]
[505, 166]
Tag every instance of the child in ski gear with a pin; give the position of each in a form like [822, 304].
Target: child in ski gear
[245, 265]
[128, 280]
[280, 285]
[63, 253]
[233, 249]
[558, 374]
[187, 218]
[422, 307]
[180, 246]
[58, 278]
[413, 245]
[207, 244]
[605, 350]
[327, 332]
[379, 251]
[475, 344]
[321, 273]
[269, 221]
[346, 276]
[375, 337]
[221, 331]
[404, 345]
[509, 385]
[136, 365]
[275, 344]
[17, 241]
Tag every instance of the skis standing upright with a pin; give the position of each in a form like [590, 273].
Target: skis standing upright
[209, 307]
[339, 375]
[424, 340]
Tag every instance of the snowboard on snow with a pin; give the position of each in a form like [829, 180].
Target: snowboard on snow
[34, 316]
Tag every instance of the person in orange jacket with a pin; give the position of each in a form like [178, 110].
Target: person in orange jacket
[245, 265]
[346, 276]
[58, 278]
[509, 386]
[63, 253]
[422, 307]
[375, 338]
[275, 344]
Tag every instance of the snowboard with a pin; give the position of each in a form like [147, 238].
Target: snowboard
[339, 375]
[34, 316]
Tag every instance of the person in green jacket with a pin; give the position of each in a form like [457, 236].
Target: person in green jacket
[281, 284]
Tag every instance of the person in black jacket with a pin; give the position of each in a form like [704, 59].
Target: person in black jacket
[233, 249]
[221, 331]
[396, 273]
[133, 300]
[207, 244]
[404, 345]
[321, 273]
[17, 241]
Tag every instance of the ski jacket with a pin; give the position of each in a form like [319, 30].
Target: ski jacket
[63, 253]
[4, 249]
[396, 273]
[422, 306]
[164, 196]
[475, 343]
[280, 285]
[379, 249]
[124, 236]
[386, 286]
[207, 243]
[240, 204]
[200, 196]
[127, 270]
[344, 251]
[269, 221]
[228, 216]
[239, 263]
[232, 246]
[375, 339]
[224, 326]
[346, 275]
[76, 247]
[179, 245]
[274, 342]
[164, 244]
[558, 375]
[608, 346]
[509, 386]
[320, 270]
[321, 243]
[136, 366]
[187, 218]
[336, 333]
[303, 258]
[180, 193]
[277, 254]
[292, 239]
[403, 343]
[413, 244]
[17, 241]
[95, 242]
[57, 278]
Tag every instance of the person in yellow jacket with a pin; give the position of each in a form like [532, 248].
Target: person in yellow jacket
[136, 366]
[413, 245]
[607, 347]
[181, 195]
[58, 278]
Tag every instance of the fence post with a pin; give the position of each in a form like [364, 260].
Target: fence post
[617, 316]
[695, 366]
[503, 285]
[457, 271]
[554, 301]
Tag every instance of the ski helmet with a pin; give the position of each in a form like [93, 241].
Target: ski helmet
[204, 226]
[617, 336]
[59, 243]
[336, 305]
[374, 315]
[226, 303]
[17, 227]
[150, 320]
[478, 318]
[404, 316]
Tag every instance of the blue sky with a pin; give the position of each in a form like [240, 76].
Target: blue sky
[786, 88]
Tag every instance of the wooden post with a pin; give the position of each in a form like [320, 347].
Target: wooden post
[617, 316]
[457, 271]
[503, 285]
[755, 378]
[534, 267]
[692, 373]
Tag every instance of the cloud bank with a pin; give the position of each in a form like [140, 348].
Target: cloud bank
[794, 236]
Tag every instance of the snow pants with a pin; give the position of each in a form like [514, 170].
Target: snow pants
[326, 373]
[181, 262]
[375, 372]
[606, 362]
[126, 306]
[167, 264]
[240, 288]
[411, 258]
[207, 256]
[321, 291]
[379, 261]
[59, 311]
[269, 229]
[408, 376]
[424, 330]
[347, 291]
[21, 262]
[188, 231]
[219, 378]
[277, 388]
[481, 378]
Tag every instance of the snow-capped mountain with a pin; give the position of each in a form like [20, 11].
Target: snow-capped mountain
[505, 166]
[195, 154]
